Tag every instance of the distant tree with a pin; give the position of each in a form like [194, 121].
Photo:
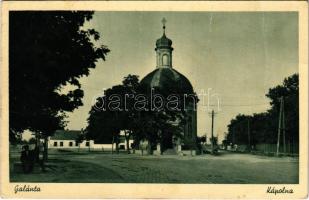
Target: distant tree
[289, 90]
[48, 50]
[263, 127]
[203, 139]
[32, 140]
[15, 137]
[214, 140]
[130, 84]
[104, 125]
[225, 143]
[156, 127]
[238, 129]
[81, 137]
[199, 141]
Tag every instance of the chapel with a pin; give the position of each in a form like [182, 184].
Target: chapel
[166, 79]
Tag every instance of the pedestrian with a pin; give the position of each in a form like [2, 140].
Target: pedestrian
[25, 159]
[41, 157]
[32, 159]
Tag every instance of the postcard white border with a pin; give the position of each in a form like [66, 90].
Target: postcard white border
[104, 190]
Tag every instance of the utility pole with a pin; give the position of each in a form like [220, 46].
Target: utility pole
[279, 125]
[233, 129]
[249, 139]
[283, 126]
[212, 131]
[113, 144]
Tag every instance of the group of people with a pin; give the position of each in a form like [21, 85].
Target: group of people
[29, 158]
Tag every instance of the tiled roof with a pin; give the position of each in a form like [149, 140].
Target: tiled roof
[65, 135]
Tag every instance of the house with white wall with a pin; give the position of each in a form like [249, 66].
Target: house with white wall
[67, 139]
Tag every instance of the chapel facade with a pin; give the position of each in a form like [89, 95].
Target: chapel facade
[168, 80]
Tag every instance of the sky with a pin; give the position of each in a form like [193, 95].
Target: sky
[239, 55]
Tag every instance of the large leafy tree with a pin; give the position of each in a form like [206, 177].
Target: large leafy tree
[48, 50]
[238, 129]
[263, 127]
[159, 127]
[154, 125]
[251, 130]
[109, 116]
[289, 90]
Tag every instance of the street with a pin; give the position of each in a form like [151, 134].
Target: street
[226, 168]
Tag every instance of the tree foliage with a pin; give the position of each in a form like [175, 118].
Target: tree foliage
[155, 126]
[263, 127]
[104, 124]
[48, 50]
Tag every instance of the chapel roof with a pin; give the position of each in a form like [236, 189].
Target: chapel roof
[167, 79]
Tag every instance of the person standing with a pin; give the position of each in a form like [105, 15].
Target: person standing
[25, 159]
[41, 157]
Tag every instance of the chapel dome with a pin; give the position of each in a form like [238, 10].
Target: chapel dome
[167, 80]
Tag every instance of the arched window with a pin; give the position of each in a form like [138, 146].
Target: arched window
[165, 60]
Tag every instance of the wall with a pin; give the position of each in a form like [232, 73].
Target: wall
[273, 148]
[66, 144]
[268, 148]
[83, 145]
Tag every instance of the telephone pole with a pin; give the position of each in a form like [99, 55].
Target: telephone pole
[249, 139]
[281, 126]
[212, 131]
[233, 129]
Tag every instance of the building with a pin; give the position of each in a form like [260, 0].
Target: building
[67, 139]
[168, 80]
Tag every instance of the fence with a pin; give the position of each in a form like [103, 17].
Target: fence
[272, 148]
[267, 148]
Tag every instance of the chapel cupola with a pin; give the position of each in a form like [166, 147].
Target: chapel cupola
[164, 50]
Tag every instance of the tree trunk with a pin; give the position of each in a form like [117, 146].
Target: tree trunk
[127, 137]
[128, 145]
[37, 147]
[113, 145]
[149, 148]
[37, 140]
[45, 153]
[117, 147]
[161, 148]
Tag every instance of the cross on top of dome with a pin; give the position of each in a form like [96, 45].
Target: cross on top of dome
[163, 22]
[164, 42]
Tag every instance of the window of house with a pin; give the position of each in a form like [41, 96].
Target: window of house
[87, 144]
[55, 144]
[76, 144]
[70, 144]
[61, 144]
